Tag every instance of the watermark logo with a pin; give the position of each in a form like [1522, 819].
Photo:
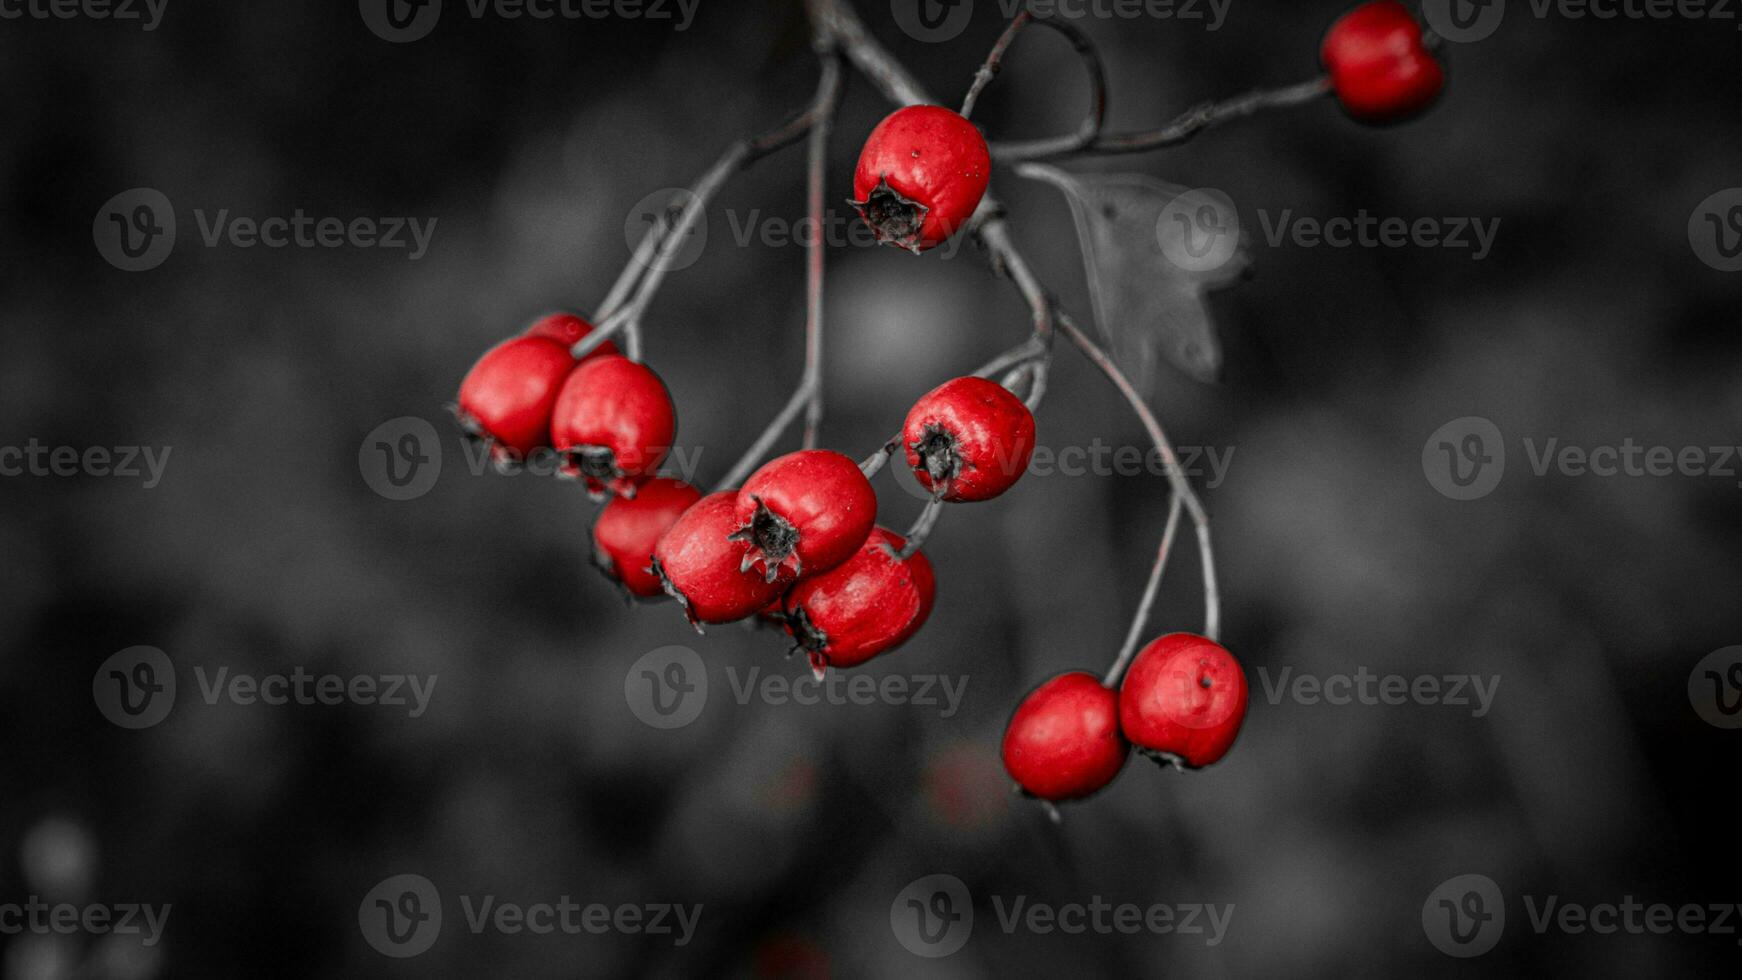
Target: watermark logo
[933, 916]
[404, 21]
[1365, 230]
[1465, 916]
[121, 462]
[1715, 688]
[41, 918]
[1464, 21]
[135, 688]
[1715, 230]
[932, 21]
[1465, 458]
[401, 459]
[400, 21]
[135, 230]
[1199, 231]
[665, 208]
[147, 13]
[402, 916]
[1366, 688]
[667, 688]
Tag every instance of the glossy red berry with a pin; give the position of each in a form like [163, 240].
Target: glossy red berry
[870, 605]
[969, 438]
[628, 528]
[613, 422]
[700, 567]
[506, 399]
[804, 513]
[568, 329]
[920, 176]
[1063, 743]
[1379, 68]
[1183, 700]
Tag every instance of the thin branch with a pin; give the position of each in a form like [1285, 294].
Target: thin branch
[922, 527]
[1134, 635]
[1190, 123]
[1090, 130]
[994, 61]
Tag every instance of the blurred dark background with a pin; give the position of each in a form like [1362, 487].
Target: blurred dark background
[263, 548]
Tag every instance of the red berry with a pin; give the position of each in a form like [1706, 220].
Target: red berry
[629, 527]
[698, 566]
[870, 605]
[567, 330]
[970, 438]
[805, 513]
[506, 398]
[1183, 700]
[1379, 68]
[613, 422]
[1063, 743]
[921, 175]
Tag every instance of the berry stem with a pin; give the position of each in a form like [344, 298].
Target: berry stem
[1187, 125]
[1134, 636]
[1090, 129]
[922, 527]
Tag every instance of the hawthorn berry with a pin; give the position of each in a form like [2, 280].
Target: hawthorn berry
[968, 439]
[871, 604]
[1063, 742]
[1183, 700]
[699, 567]
[506, 398]
[628, 528]
[567, 329]
[804, 513]
[613, 423]
[1379, 67]
[920, 176]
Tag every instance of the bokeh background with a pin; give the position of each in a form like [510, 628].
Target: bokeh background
[264, 547]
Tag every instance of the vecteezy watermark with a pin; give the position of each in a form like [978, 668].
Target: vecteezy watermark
[402, 458]
[1364, 687]
[402, 917]
[1466, 21]
[1465, 458]
[934, 21]
[1715, 230]
[668, 688]
[934, 917]
[1715, 688]
[838, 229]
[41, 918]
[1458, 234]
[1100, 459]
[136, 230]
[146, 13]
[123, 462]
[1466, 916]
[136, 688]
[402, 21]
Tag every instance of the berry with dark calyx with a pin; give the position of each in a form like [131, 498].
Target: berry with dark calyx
[1183, 700]
[969, 439]
[920, 176]
[870, 605]
[613, 423]
[568, 330]
[1379, 68]
[700, 567]
[1063, 742]
[804, 513]
[506, 398]
[628, 528]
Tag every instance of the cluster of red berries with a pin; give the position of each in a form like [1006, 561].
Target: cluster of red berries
[796, 545]
[1182, 703]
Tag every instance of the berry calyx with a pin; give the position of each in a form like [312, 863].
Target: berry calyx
[804, 513]
[1063, 742]
[871, 604]
[1183, 700]
[921, 174]
[699, 567]
[628, 528]
[968, 439]
[506, 398]
[568, 330]
[613, 423]
[1379, 67]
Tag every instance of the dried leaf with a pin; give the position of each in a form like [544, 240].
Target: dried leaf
[1152, 249]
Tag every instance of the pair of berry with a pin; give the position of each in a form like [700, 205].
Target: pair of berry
[1182, 702]
[611, 419]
